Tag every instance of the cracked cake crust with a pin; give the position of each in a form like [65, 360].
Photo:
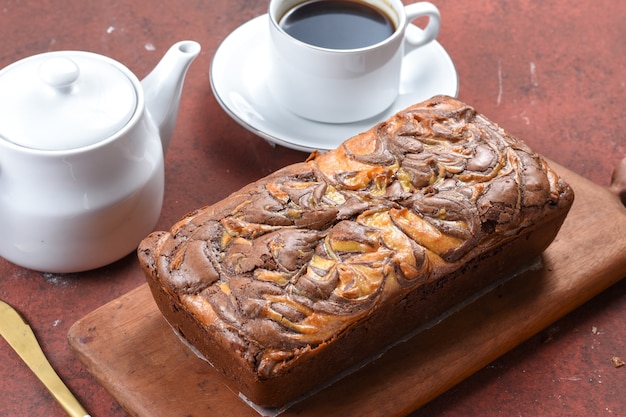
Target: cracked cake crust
[316, 267]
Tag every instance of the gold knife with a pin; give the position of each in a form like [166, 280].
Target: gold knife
[15, 330]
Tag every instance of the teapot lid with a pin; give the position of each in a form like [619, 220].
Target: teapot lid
[64, 100]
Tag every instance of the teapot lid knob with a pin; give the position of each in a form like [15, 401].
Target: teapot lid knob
[59, 72]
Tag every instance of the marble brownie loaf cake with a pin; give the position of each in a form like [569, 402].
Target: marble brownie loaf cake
[315, 268]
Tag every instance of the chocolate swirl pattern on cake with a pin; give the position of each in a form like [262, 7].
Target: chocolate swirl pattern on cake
[295, 259]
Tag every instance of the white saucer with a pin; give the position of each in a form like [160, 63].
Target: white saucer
[238, 74]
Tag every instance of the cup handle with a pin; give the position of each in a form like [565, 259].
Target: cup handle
[417, 38]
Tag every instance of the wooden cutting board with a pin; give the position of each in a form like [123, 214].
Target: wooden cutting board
[130, 349]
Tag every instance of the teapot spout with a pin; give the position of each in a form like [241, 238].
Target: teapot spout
[164, 85]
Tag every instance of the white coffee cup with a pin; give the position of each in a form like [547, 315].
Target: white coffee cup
[344, 85]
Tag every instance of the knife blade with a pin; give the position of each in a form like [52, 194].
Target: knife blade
[16, 331]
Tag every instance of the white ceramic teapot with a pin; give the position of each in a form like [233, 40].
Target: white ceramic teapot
[82, 145]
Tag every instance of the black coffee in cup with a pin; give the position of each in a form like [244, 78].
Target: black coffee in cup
[337, 24]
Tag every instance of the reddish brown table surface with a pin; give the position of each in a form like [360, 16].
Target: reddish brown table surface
[552, 73]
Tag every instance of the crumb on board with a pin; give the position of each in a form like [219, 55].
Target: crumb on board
[617, 361]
